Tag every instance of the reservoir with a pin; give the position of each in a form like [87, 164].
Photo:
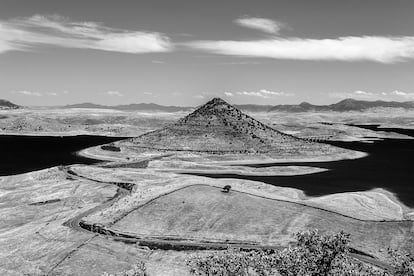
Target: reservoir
[389, 165]
[22, 154]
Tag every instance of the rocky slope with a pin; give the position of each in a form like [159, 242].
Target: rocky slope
[218, 127]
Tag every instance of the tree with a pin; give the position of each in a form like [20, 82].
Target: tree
[226, 189]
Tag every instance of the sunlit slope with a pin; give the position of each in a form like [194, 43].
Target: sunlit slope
[205, 213]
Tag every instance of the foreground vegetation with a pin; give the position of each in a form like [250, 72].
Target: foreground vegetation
[138, 269]
[313, 255]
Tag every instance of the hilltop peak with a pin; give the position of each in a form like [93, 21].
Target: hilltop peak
[214, 104]
[214, 112]
[216, 101]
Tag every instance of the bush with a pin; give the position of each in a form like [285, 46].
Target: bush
[232, 262]
[313, 255]
[402, 263]
[138, 269]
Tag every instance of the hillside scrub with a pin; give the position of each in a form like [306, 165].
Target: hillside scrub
[139, 269]
[313, 255]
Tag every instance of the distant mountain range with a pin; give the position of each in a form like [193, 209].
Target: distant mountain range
[342, 106]
[157, 107]
[4, 104]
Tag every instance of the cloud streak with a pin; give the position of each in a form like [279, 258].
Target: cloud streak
[364, 95]
[28, 93]
[263, 24]
[23, 34]
[405, 95]
[38, 94]
[262, 93]
[350, 48]
[114, 93]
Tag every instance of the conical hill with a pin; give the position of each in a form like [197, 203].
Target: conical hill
[218, 127]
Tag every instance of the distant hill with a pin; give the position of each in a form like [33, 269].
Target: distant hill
[218, 127]
[4, 104]
[342, 106]
[86, 105]
[132, 107]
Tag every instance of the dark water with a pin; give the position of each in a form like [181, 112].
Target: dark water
[377, 127]
[22, 154]
[389, 165]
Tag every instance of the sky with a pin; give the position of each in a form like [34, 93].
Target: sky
[184, 52]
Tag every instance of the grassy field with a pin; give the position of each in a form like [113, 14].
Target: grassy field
[202, 212]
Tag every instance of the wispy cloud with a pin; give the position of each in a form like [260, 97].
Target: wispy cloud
[262, 24]
[350, 48]
[114, 93]
[28, 93]
[25, 33]
[262, 93]
[39, 94]
[358, 94]
[365, 95]
[405, 95]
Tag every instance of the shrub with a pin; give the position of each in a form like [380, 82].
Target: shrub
[402, 263]
[232, 262]
[313, 255]
[139, 269]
